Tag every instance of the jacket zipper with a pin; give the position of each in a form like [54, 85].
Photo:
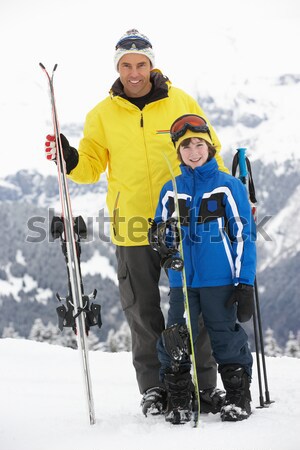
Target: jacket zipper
[193, 228]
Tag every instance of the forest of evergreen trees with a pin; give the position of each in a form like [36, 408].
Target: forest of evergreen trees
[31, 268]
[120, 340]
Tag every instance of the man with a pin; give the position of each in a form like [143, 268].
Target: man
[127, 133]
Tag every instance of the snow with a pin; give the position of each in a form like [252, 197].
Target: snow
[20, 258]
[13, 285]
[43, 295]
[43, 406]
[6, 185]
[282, 231]
[99, 265]
[276, 105]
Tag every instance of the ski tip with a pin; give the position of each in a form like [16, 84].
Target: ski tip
[42, 66]
[54, 68]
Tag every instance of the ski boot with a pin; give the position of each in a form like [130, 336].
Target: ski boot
[238, 397]
[211, 400]
[180, 391]
[154, 401]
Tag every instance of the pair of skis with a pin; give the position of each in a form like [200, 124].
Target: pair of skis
[78, 313]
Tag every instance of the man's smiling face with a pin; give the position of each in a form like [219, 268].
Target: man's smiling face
[134, 70]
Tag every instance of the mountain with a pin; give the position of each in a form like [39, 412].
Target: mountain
[261, 114]
[258, 114]
[32, 267]
[32, 264]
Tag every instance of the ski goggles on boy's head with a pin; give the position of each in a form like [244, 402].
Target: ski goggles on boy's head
[128, 43]
[186, 122]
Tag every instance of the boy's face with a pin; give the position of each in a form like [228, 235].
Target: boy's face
[195, 154]
[134, 70]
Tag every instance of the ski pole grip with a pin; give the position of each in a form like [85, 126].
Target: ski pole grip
[242, 163]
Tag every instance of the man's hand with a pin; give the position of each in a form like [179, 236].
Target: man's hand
[70, 153]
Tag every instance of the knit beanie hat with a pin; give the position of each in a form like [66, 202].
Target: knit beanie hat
[194, 134]
[134, 42]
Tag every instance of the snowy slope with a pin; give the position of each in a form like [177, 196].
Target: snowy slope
[283, 230]
[42, 406]
[260, 113]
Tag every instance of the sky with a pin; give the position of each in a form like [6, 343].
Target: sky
[43, 406]
[204, 43]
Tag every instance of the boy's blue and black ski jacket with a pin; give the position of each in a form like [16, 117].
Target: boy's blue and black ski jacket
[218, 230]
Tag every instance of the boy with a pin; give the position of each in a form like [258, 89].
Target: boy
[218, 238]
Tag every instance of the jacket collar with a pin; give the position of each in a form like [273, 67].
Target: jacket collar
[160, 82]
[202, 172]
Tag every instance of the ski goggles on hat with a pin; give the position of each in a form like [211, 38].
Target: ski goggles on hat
[190, 122]
[139, 43]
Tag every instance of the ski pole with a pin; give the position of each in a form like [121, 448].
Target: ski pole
[267, 394]
[257, 303]
[261, 397]
[241, 160]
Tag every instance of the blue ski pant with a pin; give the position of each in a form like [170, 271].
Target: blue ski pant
[229, 340]
[139, 272]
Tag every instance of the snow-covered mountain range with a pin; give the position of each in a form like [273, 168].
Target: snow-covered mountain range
[259, 114]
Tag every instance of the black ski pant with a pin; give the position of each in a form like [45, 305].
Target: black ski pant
[139, 273]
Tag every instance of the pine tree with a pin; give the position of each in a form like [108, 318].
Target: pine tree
[37, 331]
[67, 338]
[292, 347]
[118, 341]
[10, 332]
[111, 342]
[44, 333]
[271, 347]
[93, 340]
[51, 334]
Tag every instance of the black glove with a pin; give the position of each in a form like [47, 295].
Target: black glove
[153, 235]
[70, 153]
[243, 296]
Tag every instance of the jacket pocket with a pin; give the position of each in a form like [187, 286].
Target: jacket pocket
[212, 208]
[125, 287]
